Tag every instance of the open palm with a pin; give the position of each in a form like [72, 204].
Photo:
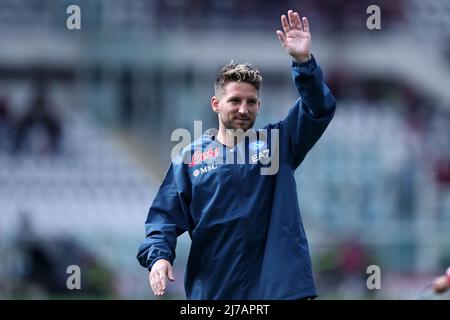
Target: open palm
[296, 38]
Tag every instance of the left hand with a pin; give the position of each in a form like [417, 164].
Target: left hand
[296, 38]
[441, 284]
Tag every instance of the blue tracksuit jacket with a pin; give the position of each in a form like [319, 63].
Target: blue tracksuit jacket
[248, 240]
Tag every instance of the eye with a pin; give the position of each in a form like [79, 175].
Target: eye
[234, 101]
[252, 102]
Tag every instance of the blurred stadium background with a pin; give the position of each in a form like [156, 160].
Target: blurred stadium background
[86, 117]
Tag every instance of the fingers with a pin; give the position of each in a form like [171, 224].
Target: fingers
[293, 22]
[281, 37]
[157, 283]
[285, 24]
[162, 281]
[305, 24]
[154, 282]
[297, 21]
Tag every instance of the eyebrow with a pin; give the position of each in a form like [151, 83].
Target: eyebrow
[240, 98]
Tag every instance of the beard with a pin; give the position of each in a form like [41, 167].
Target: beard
[239, 123]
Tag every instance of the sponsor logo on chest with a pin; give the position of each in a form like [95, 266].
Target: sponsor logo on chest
[263, 154]
[205, 169]
[198, 157]
[260, 152]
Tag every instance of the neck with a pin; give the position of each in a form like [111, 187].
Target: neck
[227, 137]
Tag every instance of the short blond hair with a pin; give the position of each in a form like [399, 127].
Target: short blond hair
[237, 72]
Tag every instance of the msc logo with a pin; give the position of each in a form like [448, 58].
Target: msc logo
[205, 169]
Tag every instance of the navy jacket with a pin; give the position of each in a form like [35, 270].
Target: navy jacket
[248, 240]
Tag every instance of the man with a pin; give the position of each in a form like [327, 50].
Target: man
[248, 240]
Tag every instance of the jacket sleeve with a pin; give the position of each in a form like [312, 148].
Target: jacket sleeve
[166, 220]
[311, 113]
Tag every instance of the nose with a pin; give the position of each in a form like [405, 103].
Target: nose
[243, 109]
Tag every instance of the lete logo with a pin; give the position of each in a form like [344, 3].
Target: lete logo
[199, 156]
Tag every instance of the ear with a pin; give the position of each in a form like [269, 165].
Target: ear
[259, 106]
[215, 104]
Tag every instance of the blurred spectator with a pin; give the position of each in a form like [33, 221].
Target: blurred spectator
[442, 168]
[328, 269]
[6, 124]
[353, 259]
[442, 179]
[46, 261]
[40, 115]
[40, 270]
[353, 265]
[126, 98]
[342, 269]
[342, 15]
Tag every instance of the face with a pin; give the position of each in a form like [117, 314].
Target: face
[237, 105]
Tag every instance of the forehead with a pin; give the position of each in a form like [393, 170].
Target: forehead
[243, 89]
